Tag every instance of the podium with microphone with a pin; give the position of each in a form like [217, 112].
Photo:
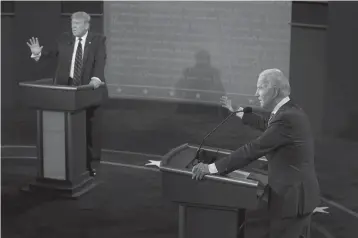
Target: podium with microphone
[215, 206]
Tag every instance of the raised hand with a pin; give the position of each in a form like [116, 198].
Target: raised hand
[34, 46]
[226, 102]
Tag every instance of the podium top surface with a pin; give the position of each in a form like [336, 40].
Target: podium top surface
[48, 84]
[180, 161]
[43, 94]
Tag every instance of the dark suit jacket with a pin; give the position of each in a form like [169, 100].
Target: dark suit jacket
[94, 57]
[288, 145]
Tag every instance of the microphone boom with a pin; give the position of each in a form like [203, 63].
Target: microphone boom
[245, 110]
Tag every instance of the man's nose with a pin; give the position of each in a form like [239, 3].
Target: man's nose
[256, 94]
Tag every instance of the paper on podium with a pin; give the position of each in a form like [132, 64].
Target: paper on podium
[321, 210]
[154, 163]
[241, 174]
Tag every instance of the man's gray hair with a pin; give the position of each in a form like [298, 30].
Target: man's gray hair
[275, 78]
[81, 15]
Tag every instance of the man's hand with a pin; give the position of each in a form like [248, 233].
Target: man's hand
[226, 102]
[200, 170]
[34, 46]
[95, 82]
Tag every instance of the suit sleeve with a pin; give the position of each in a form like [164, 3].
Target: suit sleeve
[258, 122]
[53, 52]
[276, 135]
[45, 54]
[100, 60]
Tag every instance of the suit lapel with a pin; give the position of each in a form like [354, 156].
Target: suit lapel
[285, 106]
[281, 109]
[271, 117]
[87, 46]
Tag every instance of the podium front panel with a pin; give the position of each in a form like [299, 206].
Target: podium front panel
[203, 222]
[54, 149]
[76, 145]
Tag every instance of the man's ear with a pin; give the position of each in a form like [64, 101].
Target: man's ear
[276, 92]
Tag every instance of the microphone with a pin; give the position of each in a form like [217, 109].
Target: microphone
[245, 110]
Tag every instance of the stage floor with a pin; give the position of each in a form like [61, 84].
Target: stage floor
[126, 203]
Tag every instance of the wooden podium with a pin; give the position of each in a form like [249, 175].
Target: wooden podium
[61, 135]
[214, 207]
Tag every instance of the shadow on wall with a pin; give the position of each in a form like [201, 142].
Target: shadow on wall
[200, 82]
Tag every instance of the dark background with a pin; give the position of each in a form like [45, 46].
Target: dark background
[322, 75]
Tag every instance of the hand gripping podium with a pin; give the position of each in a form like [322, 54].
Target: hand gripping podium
[213, 207]
[61, 135]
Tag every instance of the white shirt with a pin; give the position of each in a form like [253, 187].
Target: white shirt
[280, 104]
[83, 42]
[212, 167]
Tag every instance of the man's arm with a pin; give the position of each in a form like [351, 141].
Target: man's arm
[36, 57]
[276, 135]
[100, 61]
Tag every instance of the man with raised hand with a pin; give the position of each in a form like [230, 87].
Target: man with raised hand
[81, 58]
[287, 143]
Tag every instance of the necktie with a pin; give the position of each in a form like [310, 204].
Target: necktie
[78, 64]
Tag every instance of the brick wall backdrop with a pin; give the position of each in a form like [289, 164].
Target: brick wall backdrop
[153, 48]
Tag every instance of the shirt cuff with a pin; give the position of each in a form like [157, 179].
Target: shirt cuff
[240, 114]
[96, 79]
[212, 168]
[36, 57]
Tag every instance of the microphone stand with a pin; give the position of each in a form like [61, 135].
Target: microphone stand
[197, 155]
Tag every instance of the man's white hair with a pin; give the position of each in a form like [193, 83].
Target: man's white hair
[275, 78]
[81, 15]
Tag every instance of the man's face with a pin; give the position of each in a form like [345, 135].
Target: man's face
[265, 93]
[79, 27]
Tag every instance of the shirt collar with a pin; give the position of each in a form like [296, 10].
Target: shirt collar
[280, 104]
[83, 37]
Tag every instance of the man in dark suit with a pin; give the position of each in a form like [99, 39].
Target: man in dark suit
[81, 58]
[292, 191]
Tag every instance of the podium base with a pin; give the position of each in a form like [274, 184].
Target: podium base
[210, 222]
[57, 188]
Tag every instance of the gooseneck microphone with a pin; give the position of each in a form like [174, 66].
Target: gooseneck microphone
[245, 110]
